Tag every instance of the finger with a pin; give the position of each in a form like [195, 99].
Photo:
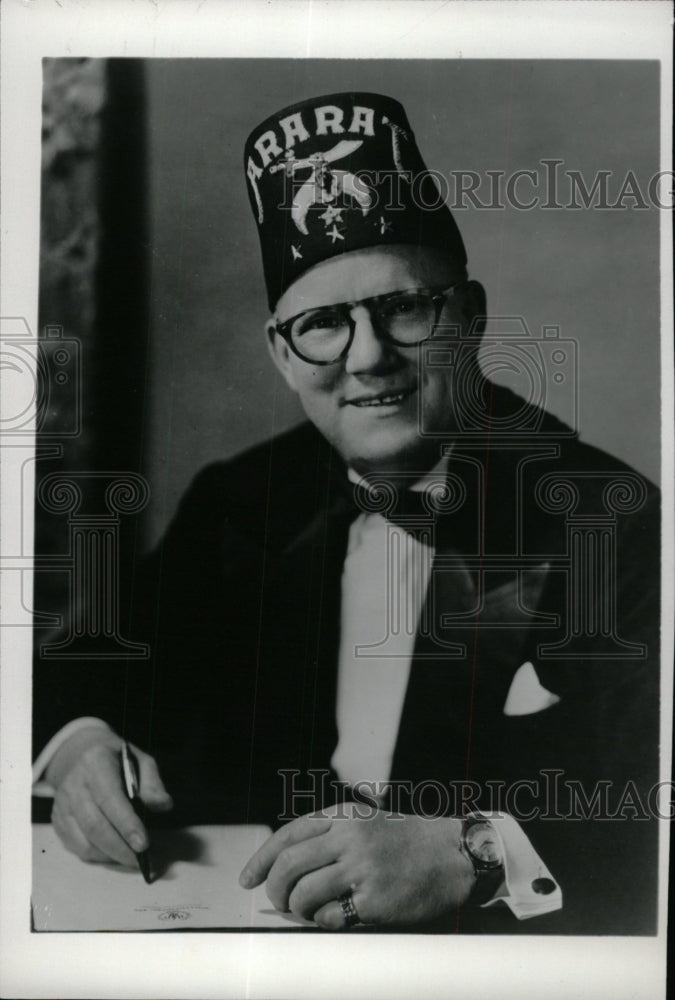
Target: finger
[153, 792]
[316, 889]
[73, 839]
[256, 868]
[330, 916]
[294, 862]
[99, 831]
[104, 782]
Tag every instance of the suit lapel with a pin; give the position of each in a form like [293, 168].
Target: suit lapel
[471, 641]
[432, 736]
[300, 621]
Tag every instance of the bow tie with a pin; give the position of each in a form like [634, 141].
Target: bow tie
[415, 511]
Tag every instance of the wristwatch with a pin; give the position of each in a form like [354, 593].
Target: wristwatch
[482, 844]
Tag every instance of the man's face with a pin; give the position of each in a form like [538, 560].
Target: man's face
[367, 404]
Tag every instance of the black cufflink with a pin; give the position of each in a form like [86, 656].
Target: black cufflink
[543, 886]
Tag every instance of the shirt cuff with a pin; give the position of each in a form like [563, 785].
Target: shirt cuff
[529, 889]
[40, 788]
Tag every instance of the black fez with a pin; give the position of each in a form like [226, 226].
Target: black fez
[340, 173]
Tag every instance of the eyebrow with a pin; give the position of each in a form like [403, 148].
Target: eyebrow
[434, 289]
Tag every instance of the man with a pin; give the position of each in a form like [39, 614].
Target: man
[397, 641]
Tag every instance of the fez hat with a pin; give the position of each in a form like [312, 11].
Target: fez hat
[338, 173]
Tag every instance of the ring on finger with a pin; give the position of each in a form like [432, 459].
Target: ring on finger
[349, 912]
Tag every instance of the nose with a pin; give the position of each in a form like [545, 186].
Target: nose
[368, 352]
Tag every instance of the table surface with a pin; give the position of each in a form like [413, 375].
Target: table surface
[196, 886]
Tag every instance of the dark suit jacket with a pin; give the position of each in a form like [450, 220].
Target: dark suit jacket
[240, 603]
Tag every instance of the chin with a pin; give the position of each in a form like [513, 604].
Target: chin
[383, 454]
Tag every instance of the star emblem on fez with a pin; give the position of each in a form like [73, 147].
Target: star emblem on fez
[335, 234]
[385, 227]
[331, 215]
[296, 253]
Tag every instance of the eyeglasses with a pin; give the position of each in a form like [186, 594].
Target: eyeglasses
[324, 336]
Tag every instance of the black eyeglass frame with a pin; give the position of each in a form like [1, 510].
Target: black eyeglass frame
[439, 298]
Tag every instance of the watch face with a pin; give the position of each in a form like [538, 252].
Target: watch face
[481, 841]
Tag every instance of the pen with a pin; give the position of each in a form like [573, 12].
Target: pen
[131, 785]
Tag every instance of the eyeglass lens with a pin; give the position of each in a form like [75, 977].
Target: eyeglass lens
[405, 319]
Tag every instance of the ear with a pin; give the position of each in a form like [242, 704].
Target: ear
[475, 307]
[280, 353]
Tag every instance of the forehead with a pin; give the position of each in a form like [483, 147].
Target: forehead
[362, 273]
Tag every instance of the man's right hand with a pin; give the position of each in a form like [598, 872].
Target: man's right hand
[92, 814]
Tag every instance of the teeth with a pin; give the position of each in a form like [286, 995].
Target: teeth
[382, 401]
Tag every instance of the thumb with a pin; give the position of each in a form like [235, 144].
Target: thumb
[152, 790]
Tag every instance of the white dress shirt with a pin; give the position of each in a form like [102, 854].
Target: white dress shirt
[384, 583]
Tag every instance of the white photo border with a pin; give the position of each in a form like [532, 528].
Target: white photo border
[281, 965]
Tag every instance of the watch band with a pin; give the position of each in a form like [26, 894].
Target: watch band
[485, 885]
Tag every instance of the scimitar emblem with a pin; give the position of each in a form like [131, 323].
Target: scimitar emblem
[324, 184]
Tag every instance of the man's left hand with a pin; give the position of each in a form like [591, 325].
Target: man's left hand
[403, 870]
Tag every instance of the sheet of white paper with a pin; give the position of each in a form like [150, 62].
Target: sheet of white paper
[196, 886]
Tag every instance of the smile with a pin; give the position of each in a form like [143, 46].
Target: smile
[381, 399]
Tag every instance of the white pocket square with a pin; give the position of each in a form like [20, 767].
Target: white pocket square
[526, 695]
